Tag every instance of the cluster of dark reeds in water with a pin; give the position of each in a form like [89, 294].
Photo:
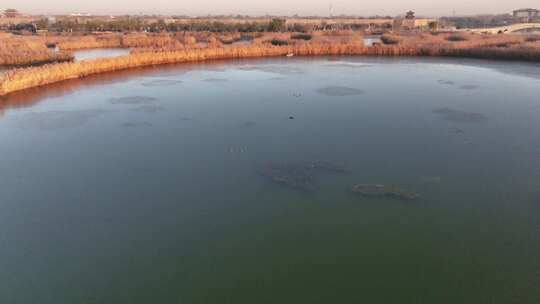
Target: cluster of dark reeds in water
[302, 176]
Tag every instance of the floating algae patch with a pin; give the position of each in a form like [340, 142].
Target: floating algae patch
[136, 124]
[384, 191]
[161, 82]
[461, 116]
[327, 167]
[340, 91]
[215, 80]
[301, 176]
[55, 120]
[151, 109]
[132, 100]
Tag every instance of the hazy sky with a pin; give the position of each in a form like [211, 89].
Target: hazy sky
[276, 7]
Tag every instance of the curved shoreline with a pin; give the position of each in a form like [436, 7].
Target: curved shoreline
[22, 79]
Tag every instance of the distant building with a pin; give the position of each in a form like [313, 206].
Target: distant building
[527, 13]
[410, 15]
[410, 22]
[11, 13]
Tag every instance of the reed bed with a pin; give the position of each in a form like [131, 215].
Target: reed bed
[90, 42]
[132, 40]
[21, 79]
[18, 51]
[507, 47]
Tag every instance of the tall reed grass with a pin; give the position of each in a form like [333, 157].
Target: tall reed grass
[20, 51]
[508, 47]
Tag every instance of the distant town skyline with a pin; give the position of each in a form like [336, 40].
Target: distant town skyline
[275, 7]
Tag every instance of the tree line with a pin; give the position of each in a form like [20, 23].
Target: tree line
[139, 24]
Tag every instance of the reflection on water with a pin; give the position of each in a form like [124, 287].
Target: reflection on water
[370, 40]
[99, 53]
[192, 191]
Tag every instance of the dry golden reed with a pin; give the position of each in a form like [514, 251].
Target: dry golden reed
[18, 51]
[169, 50]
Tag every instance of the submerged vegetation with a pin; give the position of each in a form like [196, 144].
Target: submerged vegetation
[300, 176]
[383, 191]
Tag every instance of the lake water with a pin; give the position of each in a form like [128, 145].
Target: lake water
[370, 40]
[223, 183]
[99, 53]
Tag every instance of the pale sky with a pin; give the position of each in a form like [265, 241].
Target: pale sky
[273, 7]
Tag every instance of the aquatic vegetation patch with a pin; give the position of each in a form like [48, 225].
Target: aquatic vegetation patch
[383, 191]
[327, 167]
[132, 100]
[337, 91]
[300, 176]
[55, 120]
[460, 116]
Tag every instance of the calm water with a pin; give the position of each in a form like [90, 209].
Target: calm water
[99, 53]
[370, 40]
[146, 186]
